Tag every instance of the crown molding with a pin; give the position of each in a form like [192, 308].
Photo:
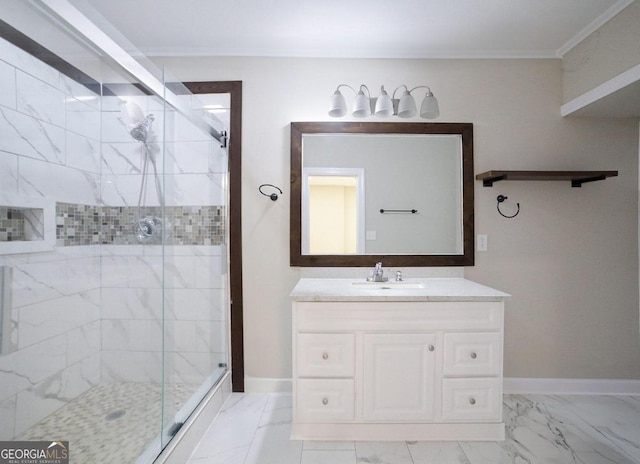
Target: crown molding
[594, 26]
[352, 54]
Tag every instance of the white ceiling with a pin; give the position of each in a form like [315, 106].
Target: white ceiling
[355, 28]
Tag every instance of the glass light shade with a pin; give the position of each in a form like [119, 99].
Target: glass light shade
[429, 108]
[361, 105]
[407, 106]
[384, 105]
[338, 106]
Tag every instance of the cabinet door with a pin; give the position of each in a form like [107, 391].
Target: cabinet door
[399, 377]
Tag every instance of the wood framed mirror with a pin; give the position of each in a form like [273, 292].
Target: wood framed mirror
[400, 193]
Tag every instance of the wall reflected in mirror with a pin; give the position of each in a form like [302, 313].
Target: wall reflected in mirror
[404, 173]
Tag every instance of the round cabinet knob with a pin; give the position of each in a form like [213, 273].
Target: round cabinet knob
[472, 401]
[474, 355]
[325, 401]
[325, 355]
[431, 347]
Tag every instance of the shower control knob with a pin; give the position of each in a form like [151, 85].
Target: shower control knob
[325, 355]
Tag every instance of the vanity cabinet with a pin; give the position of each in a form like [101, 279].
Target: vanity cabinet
[392, 368]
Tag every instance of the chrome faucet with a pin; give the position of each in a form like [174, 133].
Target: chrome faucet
[377, 274]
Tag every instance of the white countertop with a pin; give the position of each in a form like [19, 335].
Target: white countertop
[433, 289]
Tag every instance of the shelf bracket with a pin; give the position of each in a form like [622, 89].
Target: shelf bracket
[578, 182]
[488, 182]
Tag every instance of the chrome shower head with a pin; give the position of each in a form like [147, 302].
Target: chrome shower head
[141, 130]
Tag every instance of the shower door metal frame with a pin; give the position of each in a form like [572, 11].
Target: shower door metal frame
[234, 88]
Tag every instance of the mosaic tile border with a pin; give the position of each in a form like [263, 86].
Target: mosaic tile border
[11, 225]
[78, 224]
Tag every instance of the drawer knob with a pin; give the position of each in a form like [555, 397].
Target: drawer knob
[431, 347]
[474, 355]
[325, 401]
[325, 355]
[472, 401]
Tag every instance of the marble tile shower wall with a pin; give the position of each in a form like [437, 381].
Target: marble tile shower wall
[49, 148]
[132, 310]
[87, 314]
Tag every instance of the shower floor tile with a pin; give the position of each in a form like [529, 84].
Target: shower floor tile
[109, 423]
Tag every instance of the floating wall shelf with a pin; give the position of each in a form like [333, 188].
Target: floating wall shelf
[577, 178]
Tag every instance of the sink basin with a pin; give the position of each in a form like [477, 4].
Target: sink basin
[403, 284]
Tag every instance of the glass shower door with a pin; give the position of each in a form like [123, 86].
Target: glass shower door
[115, 325]
[195, 290]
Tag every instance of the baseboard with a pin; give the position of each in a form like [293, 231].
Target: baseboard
[514, 385]
[267, 385]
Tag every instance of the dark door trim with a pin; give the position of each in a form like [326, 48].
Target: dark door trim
[234, 88]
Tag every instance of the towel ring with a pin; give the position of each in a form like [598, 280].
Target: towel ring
[502, 198]
[273, 196]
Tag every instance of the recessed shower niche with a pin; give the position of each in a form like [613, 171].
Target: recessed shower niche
[26, 225]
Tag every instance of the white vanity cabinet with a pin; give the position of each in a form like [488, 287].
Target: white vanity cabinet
[397, 365]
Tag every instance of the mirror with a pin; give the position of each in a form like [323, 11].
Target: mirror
[400, 193]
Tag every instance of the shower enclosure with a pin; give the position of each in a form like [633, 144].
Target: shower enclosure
[113, 230]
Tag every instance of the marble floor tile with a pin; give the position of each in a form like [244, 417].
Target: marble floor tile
[597, 458]
[395, 452]
[423, 452]
[545, 429]
[328, 457]
[228, 439]
[492, 453]
[329, 445]
[609, 419]
[271, 443]
[628, 439]
[278, 410]
[540, 429]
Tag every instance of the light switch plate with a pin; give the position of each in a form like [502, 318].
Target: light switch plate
[481, 244]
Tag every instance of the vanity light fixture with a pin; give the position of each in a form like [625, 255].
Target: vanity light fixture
[384, 105]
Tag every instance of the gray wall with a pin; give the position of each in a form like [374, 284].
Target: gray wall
[570, 259]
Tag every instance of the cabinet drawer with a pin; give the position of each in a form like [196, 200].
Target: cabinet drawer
[324, 400]
[325, 355]
[472, 400]
[472, 354]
